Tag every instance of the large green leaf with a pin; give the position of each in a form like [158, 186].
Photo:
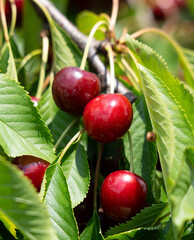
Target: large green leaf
[22, 130]
[146, 218]
[92, 231]
[20, 204]
[144, 152]
[171, 110]
[76, 170]
[58, 203]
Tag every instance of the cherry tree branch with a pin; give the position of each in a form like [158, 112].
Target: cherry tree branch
[81, 39]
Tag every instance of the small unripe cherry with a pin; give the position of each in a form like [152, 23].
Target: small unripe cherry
[123, 194]
[73, 88]
[107, 117]
[33, 168]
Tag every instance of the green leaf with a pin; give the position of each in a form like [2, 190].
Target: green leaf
[144, 152]
[146, 218]
[58, 203]
[92, 231]
[86, 20]
[20, 204]
[76, 170]
[183, 192]
[22, 130]
[171, 108]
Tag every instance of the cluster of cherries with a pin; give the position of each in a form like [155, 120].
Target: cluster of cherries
[106, 118]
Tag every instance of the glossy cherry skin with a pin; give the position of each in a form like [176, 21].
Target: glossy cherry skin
[107, 117]
[33, 167]
[19, 7]
[73, 88]
[122, 195]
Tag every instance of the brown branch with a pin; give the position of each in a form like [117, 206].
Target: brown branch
[80, 39]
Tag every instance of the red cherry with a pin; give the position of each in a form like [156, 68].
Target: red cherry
[33, 167]
[73, 88]
[107, 117]
[19, 6]
[122, 195]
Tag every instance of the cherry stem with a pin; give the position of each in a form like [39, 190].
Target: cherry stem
[45, 49]
[131, 150]
[112, 68]
[74, 139]
[66, 131]
[88, 44]
[101, 147]
[13, 18]
[115, 8]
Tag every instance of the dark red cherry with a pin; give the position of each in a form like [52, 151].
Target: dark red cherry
[33, 167]
[122, 195]
[107, 117]
[19, 7]
[73, 88]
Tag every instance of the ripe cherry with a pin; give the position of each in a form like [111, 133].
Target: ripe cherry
[19, 7]
[122, 195]
[33, 167]
[73, 88]
[107, 117]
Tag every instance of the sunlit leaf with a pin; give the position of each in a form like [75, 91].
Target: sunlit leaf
[22, 130]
